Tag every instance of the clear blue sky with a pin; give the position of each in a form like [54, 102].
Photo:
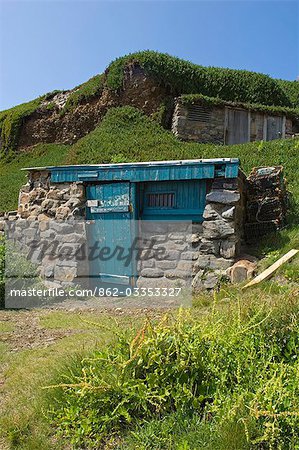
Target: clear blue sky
[47, 45]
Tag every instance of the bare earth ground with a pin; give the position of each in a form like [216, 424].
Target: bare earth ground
[28, 333]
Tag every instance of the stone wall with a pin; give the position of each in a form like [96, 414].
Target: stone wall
[50, 227]
[267, 202]
[40, 199]
[194, 130]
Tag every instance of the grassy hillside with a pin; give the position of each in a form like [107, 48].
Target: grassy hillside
[240, 351]
[219, 377]
[84, 92]
[127, 135]
[291, 89]
[178, 75]
[11, 121]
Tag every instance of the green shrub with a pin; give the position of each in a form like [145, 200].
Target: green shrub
[291, 89]
[235, 366]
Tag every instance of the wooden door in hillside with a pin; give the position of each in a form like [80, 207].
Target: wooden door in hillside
[274, 128]
[237, 128]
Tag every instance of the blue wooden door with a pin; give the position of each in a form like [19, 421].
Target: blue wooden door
[111, 232]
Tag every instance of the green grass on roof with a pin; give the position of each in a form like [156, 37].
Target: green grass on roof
[291, 89]
[188, 99]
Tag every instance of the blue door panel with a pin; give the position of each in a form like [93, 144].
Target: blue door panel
[112, 232]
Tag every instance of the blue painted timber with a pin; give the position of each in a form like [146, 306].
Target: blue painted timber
[198, 169]
[180, 200]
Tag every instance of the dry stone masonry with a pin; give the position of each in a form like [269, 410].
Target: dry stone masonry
[207, 127]
[51, 214]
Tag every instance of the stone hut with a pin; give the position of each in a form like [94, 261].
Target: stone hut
[180, 222]
[219, 122]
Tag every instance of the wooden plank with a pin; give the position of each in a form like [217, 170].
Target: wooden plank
[249, 126]
[283, 127]
[265, 128]
[268, 272]
[225, 126]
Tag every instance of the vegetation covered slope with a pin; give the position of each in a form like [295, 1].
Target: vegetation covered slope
[224, 379]
[179, 76]
[85, 92]
[291, 89]
[247, 378]
[11, 121]
[185, 77]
